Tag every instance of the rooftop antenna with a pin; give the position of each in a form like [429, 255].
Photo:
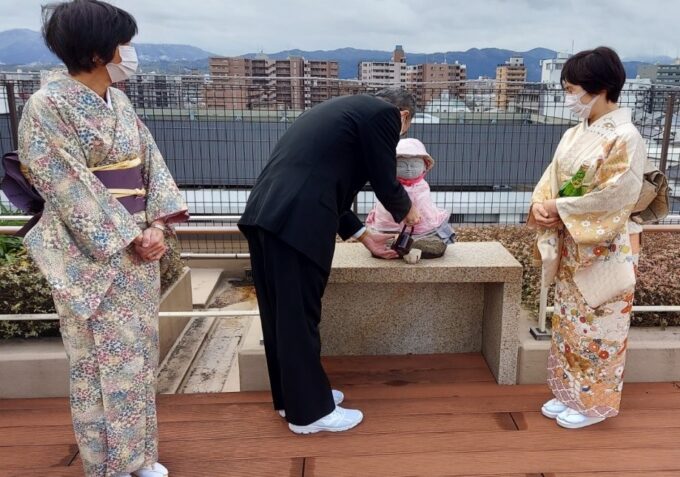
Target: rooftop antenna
[572, 47]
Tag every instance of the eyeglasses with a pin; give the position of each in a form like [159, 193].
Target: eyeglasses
[404, 242]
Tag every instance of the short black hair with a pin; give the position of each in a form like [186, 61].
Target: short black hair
[596, 71]
[399, 97]
[80, 30]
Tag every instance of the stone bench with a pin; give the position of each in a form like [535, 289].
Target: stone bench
[466, 301]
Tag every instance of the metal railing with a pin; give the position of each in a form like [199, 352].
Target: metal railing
[491, 141]
[218, 313]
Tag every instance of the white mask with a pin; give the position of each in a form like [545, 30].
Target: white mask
[573, 102]
[127, 67]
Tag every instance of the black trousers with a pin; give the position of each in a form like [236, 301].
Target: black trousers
[289, 289]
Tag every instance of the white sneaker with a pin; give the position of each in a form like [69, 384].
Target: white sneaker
[339, 420]
[338, 397]
[553, 408]
[155, 470]
[572, 419]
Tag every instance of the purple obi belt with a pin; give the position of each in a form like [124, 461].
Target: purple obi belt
[123, 180]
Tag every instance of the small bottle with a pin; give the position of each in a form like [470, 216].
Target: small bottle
[574, 186]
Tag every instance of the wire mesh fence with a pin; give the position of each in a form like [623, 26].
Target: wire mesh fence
[491, 141]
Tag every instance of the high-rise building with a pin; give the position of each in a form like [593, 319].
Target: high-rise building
[398, 55]
[661, 74]
[245, 83]
[510, 79]
[546, 99]
[391, 72]
[551, 69]
[154, 91]
[431, 80]
[649, 72]
[669, 74]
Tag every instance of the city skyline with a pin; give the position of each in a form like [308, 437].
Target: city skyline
[429, 26]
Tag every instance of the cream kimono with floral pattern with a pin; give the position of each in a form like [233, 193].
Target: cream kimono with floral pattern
[107, 297]
[591, 260]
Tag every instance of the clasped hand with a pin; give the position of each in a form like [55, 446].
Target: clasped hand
[150, 244]
[545, 214]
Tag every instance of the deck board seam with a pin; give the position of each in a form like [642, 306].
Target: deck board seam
[73, 459]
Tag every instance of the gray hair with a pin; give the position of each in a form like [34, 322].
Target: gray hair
[399, 97]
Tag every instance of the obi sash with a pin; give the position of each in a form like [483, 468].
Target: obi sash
[123, 180]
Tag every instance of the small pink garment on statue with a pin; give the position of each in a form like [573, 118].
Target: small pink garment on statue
[418, 190]
[431, 217]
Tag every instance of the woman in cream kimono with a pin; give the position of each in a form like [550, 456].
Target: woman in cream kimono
[587, 243]
[108, 198]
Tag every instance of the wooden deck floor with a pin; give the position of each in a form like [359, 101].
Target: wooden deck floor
[426, 416]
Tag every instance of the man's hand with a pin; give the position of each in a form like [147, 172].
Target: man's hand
[545, 214]
[377, 244]
[413, 216]
[150, 245]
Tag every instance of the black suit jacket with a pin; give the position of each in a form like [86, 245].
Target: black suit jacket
[305, 193]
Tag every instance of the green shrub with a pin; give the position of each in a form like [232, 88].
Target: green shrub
[23, 290]
[9, 245]
[658, 277]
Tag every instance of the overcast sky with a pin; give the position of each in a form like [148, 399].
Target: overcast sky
[632, 27]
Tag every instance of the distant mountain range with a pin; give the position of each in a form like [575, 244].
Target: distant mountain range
[25, 48]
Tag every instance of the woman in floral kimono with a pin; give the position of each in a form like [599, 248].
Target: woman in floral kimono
[587, 243]
[108, 199]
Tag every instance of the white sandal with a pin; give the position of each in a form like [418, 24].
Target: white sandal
[155, 470]
[553, 408]
[572, 419]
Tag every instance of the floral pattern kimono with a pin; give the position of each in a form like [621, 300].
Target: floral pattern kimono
[106, 296]
[591, 261]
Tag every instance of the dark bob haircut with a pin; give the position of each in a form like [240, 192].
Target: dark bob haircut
[596, 71]
[81, 31]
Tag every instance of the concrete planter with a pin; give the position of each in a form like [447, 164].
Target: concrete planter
[35, 368]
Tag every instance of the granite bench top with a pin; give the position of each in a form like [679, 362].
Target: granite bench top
[471, 262]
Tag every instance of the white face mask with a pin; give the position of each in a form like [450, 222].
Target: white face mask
[127, 67]
[573, 102]
[410, 167]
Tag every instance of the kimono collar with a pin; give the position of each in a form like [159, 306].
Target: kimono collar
[107, 102]
[611, 120]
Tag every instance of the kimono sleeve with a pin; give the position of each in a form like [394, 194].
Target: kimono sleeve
[50, 149]
[601, 214]
[164, 201]
[542, 192]
[544, 189]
